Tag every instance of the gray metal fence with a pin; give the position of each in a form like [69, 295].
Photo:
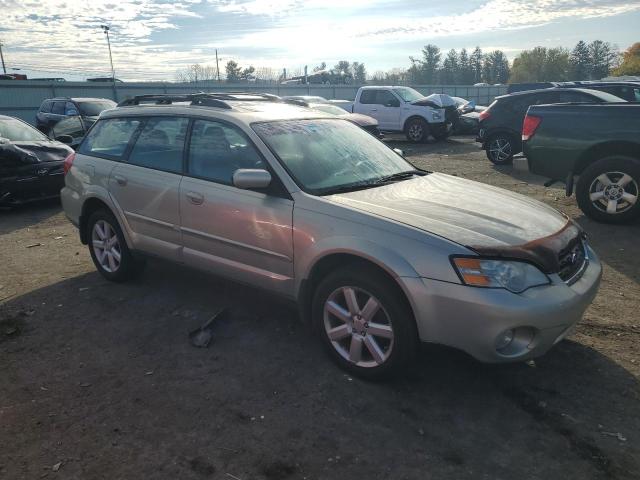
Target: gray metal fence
[22, 98]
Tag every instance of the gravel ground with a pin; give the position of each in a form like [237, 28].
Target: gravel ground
[99, 380]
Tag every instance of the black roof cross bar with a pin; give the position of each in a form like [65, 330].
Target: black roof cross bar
[201, 98]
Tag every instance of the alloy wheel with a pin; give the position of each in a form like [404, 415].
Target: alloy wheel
[613, 192]
[358, 327]
[500, 149]
[415, 132]
[106, 246]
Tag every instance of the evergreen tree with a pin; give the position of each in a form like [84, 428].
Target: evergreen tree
[450, 69]
[430, 63]
[233, 71]
[580, 62]
[476, 63]
[464, 66]
[359, 72]
[602, 56]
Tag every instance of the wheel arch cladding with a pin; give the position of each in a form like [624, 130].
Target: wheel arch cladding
[333, 261]
[607, 149]
[91, 205]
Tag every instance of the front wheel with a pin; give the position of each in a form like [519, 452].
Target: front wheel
[417, 130]
[608, 190]
[500, 149]
[364, 323]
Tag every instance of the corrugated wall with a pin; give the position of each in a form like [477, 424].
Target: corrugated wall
[22, 98]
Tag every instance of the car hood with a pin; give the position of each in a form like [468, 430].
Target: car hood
[466, 212]
[33, 152]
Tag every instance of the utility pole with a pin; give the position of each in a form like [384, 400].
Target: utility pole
[4, 68]
[105, 29]
[217, 66]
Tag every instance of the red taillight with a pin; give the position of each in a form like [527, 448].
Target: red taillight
[68, 162]
[484, 115]
[529, 127]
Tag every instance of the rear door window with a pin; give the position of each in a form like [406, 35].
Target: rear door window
[110, 138]
[58, 108]
[161, 144]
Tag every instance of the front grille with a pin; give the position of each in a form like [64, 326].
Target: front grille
[573, 261]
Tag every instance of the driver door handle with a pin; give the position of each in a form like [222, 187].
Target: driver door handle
[120, 179]
[195, 198]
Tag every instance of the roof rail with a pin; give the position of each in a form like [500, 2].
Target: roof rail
[201, 99]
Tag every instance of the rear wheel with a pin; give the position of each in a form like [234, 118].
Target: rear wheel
[364, 323]
[108, 248]
[417, 130]
[608, 190]
[500, 149]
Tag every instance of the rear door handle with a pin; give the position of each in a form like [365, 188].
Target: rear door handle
[120, 179]
[195, 198]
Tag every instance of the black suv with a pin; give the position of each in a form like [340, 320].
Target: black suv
[70, 116]
[501, 124]
[629, 91]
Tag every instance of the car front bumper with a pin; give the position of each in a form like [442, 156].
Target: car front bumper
[473, 319]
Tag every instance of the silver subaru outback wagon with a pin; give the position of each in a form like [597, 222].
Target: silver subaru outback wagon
[378, 254]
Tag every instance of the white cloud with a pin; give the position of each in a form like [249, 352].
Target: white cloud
[66, 33]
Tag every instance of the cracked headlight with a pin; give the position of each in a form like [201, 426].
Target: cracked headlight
[513, 275]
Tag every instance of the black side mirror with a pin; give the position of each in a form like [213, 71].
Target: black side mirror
[68, 139]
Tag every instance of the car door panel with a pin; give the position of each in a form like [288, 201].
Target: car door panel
[149, 201]
[242, 234]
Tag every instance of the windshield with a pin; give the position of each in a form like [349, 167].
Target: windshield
[17, 131]
[325, 156]
[326, 108]
[408, 94]
[93, 109]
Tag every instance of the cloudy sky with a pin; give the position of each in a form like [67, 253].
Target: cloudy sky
[152, 39]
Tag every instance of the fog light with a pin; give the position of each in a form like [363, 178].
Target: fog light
[504, 339]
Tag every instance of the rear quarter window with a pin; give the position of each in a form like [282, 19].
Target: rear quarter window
[58, 108]
[110, 138]
[46, 106]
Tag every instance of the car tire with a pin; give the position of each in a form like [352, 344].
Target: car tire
[417, 130]
[608, 190]
[500, 149]
[106, 243]
[372, 343]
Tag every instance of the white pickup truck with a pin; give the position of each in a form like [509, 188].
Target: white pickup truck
[405, 110]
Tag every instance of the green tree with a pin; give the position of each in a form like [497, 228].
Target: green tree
[580, 62]
[233, 71]
[450, 72]
[359, 72]
[495, 67]
[476, 64]
[320, 67]
[603, 56]
[246, 73]
[343, 66]
[630, 61]
[430, 63]
[464, 65]
[540, 65]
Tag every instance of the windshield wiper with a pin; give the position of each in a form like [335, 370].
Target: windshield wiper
[400, 176]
